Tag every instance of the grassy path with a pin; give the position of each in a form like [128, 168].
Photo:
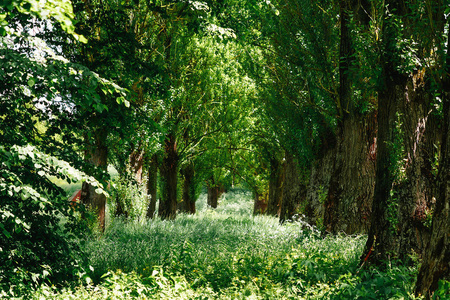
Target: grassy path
[229, 254]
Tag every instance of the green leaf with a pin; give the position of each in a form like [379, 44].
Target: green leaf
[31, 82]
[6, 233]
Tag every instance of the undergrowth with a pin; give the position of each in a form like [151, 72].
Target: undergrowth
[229, 254]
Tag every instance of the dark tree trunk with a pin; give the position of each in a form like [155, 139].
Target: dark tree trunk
[416, 191]
[293, 190]
[382, 235]
[436, 261]
[169, 179]
[259, 204]
[276, 180]
[152, 178]
[404, 187]
[97, 155]
[137, 163]
[213, 196]
[214, 193]
[382, 240]
[348, 200]
[319, 182]
[189, 187]
[347, 196]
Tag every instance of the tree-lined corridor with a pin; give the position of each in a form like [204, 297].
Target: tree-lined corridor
[333, 114]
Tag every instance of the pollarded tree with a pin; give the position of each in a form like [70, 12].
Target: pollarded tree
[320, 82]
[116, 49]
[435, 265]
[404, 188]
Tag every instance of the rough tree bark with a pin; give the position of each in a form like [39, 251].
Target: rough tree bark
[319, 182]
[169, 179]
[152, 185]
[436, 261]
[97, 155]
[188, 202]
[349, 198]
[214, 193]
[415, 192]
[276, 179]
[382, 239]
[340, 190]
[136, 160]
[403, 189]
[293, 190]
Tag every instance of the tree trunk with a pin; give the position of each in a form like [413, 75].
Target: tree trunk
[214, 192]
[319, 183]
[137, 163]
[347, 196]
[275, 186]
[415, 192]
[259, 204]
[169, 179]
[152, 185]
[436, 261]
[382, 240]
[292, 190]
[213, 196]
[348, 200]
[404, 187]
[97, 155]
[189, 187]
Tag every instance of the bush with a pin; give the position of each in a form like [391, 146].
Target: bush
[39, 230]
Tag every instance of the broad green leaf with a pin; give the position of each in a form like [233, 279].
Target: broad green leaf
[31, 82]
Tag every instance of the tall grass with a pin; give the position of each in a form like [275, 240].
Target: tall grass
[229, 254]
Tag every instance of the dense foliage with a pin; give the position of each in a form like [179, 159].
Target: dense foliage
[335, 110]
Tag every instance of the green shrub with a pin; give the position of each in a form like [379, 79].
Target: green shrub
[39, 231]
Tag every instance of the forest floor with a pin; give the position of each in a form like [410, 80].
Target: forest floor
[228, 254]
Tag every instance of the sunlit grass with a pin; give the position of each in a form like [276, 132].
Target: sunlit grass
[229, 254]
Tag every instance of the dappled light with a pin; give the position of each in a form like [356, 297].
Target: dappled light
[283, 149]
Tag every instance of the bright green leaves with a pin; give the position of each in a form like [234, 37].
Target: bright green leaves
[31, 82]
[36, 221]
[60, 10]
[121, 100]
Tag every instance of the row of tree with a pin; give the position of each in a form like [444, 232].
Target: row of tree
[359, 93]
[337, 109]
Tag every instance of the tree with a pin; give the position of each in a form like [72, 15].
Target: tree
[435, 264]
[37, 89]
[402, 188]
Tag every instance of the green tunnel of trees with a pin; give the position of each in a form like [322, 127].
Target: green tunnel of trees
[337, 110]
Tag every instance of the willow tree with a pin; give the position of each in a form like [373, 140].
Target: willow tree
[116, 49]
[203, 85]
[435, 265]
[327, 121]
[404, 186]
